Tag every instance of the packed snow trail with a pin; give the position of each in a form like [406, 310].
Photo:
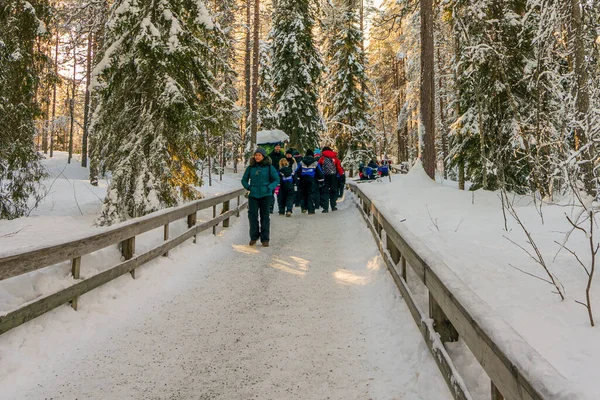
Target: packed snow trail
[314, 316]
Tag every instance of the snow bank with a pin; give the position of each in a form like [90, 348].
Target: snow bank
[465, 229]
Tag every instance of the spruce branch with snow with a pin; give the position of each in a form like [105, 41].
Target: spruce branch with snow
[22, 69]
[158, 92]
[297, 68]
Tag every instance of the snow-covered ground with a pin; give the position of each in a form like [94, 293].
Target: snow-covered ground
[316, 315]
[69, 210]
[466, 230]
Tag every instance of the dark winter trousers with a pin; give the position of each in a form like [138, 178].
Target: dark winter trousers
[286, 198]
[307, 194]
[272, 204]
[330, 192]
[318, 190]
[341, 183]
[298, 197]
[256, 208]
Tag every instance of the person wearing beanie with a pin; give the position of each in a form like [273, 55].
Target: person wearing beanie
[286, 195]
[309, 174]
[276, 155]
[332, 171]
[289, 156]
[260, 179]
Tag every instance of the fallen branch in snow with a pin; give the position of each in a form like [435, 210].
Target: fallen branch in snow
[431, 218]
[461, 221]
[538, 258]
[11, 234]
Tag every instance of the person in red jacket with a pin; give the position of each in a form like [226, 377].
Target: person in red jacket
[332, 169]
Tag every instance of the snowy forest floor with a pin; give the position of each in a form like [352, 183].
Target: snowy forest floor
[466, 229]
[316, 315]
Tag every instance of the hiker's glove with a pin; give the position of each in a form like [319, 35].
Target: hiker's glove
[247, 194]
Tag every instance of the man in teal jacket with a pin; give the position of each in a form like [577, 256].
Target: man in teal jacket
[260, 179]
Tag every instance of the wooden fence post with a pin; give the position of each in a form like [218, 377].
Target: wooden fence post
[496, 395]
[403, 260]
[214, 216]
[441, 323]
[166, 237]
[192, 222]
[223, 211]
[75, 272]
[128, 250]
[393, 250]
[377, 225]
[238, 207]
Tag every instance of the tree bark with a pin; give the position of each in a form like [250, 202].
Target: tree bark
[247, 73]
[52, 122]
[443, 128]
[427, 95]
[581, 94]
[72, 105]
[86, 110]
[255, 62]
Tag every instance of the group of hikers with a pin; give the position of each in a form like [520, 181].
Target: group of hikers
[374, 169]
[315, 180]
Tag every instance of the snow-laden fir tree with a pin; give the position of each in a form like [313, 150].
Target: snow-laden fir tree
[495, 100]
[22, 67]
[347, 109]
[227, 132]
[297, 68]
[267, 119]
[157, 97]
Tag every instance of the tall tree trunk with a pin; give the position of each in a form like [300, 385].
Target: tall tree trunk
[582, 94]
[427, 95]
[457, 88]
[53, 122]
[255, 61]
[247, 73]
[86, 110]
[72, 105]
[443, 127]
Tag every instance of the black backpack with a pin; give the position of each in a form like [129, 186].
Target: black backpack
[329, 168]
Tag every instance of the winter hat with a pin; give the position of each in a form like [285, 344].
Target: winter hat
[309, 153]
[326, 148]
[261, 151]
[290, 151]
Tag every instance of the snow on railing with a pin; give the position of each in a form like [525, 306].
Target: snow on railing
[516, 370]
[17, 263]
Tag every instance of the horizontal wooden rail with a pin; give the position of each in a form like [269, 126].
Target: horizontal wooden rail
[123, 234]
[516, 370]
[21, 262]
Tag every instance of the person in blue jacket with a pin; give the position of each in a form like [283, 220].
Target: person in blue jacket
[260, 179]
[310, 176]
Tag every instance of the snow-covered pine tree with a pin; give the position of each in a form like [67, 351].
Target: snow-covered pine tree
[347, 111]
[157, 96]
[495, 100]
[267, 119]
[297, 68]
[227, 131]
[22, 65]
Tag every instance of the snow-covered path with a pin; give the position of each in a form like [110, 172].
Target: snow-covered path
[315, 316]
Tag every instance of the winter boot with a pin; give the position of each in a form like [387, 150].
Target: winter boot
[265, 243]
[288, 214]
[252, 242]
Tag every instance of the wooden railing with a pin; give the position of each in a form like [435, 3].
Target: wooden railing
[19, 263]
[516, 370]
